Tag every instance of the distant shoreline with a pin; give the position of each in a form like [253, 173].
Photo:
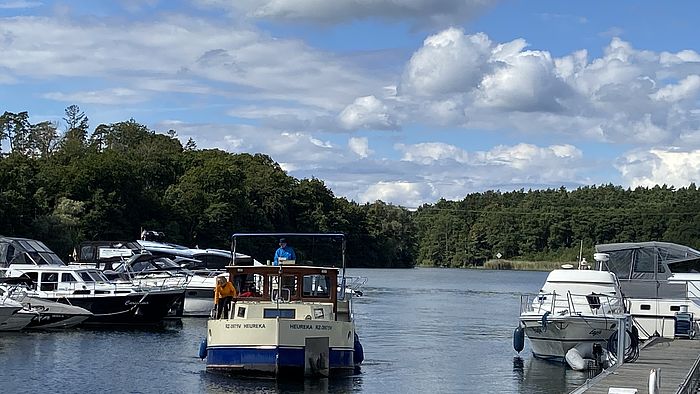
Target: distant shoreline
[512, 265]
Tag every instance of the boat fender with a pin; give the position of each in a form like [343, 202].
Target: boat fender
[655, 381]
[575, 360]
[544, 321]
[203, 349]
[358, 356]
[518, 339]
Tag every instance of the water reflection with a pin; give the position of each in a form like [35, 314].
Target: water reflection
[541, 376]
[216, 383]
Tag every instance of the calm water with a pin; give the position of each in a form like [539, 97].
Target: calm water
[423, 330]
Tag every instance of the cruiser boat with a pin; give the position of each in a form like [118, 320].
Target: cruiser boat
[146, 269]
[44, 314]
[661, 284]
[88, 288]
[575, 309]
[168, 262]
[9, 309]
[295, 321]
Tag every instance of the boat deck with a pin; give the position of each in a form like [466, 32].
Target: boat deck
[676, 359]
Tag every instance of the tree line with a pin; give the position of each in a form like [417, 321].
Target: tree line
[63, 184]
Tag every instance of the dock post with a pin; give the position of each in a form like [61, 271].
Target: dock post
[621, 332]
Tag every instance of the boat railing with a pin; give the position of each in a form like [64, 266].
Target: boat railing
[89, 289]
[171, 283]
[571, 304]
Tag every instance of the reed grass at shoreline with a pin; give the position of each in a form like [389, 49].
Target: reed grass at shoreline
[518, 265]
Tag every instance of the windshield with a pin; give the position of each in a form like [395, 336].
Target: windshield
[92, 276]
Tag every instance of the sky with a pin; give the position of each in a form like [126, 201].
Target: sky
[404, 101]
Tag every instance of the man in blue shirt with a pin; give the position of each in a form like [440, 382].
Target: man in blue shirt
[285, 252]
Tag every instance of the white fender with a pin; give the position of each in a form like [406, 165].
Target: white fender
[655, 381]
[575, 360]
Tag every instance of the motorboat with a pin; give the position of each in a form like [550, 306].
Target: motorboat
[88, 288]
[9, 309]
[291, 320]
[576, 309]
[146, 269]
[660, 282]
[44, 314]
[168, 261]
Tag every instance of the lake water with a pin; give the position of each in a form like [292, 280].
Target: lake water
[423, 330]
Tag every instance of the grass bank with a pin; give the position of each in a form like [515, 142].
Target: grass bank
[502, 264]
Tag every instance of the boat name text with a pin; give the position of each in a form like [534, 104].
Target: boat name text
[245, 325]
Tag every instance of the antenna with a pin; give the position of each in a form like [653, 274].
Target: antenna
[580, 252]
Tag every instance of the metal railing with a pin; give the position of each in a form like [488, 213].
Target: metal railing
[571, 304]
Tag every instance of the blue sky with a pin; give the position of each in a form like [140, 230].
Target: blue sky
[407, 101]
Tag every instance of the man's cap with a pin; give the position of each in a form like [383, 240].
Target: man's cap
[283, 241]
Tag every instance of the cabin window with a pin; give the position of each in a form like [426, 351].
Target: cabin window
[316, 286]
[281, 313]
[675, 308]
[645, 307]
[86, 277]
[141, 266]
[288, 285]
[241, 311]
[67, 277]
[49, 281]
[6, 252]
[34, 277]
[87, 253]
[644, 261]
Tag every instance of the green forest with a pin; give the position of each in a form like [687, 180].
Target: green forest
[62, 184]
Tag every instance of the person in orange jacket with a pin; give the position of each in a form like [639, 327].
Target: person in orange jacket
[223, 295]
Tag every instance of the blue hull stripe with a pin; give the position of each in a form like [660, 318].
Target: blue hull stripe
[288, 357]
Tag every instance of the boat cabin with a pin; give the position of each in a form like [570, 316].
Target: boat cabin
[646, 269]
[291, 292]
[26, 251]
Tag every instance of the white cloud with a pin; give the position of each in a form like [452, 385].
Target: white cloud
[449, 62]
[420, 12]
[667, 166]
[687, 88]
[408, 194]
[360, 146]
[19, 4]
[182, 54]
[428, 152]
[367, 113]
[114, 96]
[626, 95]
[526, 82]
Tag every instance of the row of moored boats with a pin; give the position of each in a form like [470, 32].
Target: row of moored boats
[140, 283]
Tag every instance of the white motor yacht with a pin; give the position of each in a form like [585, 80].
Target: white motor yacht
[575, 308]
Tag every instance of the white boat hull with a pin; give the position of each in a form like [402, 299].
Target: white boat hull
[17, 321]
[280, 346]
[198, 306]
[559, 335]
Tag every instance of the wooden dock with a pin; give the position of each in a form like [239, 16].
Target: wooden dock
[677, 360]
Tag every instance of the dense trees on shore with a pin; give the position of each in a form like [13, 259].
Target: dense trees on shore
[63, 187]
[69, 186]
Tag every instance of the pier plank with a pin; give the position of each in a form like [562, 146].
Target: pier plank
[674, 358]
